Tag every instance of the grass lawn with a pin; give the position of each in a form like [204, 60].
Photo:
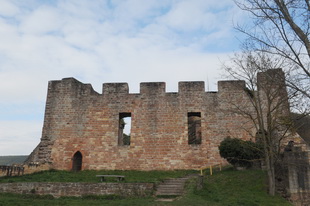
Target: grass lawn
[226, 188]
[90, 176]
[232, 187]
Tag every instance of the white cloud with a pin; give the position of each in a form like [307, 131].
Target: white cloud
[43, 20]
[19, 137]
[7, 8]
[103, 41]
[196, 15]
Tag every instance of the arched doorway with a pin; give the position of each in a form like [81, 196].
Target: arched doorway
[77, 161]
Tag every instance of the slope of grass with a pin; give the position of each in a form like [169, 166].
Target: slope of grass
[231, 187]
[226, 188]
[90, 176]
[31, 200]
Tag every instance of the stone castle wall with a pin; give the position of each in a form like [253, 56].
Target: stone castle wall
[59, 189]
[297, 165]
[78, 119]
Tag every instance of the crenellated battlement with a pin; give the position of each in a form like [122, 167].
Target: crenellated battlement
[72, 86]
[231, 86]
[146, 88]
[191, 87]
[152, 88]
[84, 129]
[115, 88]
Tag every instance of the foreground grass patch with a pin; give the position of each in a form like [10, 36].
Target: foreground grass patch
[90, 176]
[35, 200]
[231, 187]
[226, 188]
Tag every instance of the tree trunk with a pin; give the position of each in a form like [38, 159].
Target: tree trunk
[271, 174]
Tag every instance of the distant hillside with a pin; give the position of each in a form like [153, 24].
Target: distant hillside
[9, 160]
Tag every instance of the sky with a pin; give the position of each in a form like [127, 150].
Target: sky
[102, 41]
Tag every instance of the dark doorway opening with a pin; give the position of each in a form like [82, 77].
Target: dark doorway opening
[77, 162]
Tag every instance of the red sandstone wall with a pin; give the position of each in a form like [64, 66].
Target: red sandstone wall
[79, 119]
[59, 189]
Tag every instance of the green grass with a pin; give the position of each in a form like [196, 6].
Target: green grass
[90, 176]
[33, 200]
[231, 187]
[226, 188]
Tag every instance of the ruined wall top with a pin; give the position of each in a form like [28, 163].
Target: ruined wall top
[72, 85]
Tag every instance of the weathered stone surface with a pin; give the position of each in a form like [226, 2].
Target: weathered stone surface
[78, 189]
[79, 119]
[172, 186]
[294, 173]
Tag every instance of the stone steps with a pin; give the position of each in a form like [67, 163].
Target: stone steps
[169, 186]
[172, 187]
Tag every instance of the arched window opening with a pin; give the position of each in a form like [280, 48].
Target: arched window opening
[77, 162]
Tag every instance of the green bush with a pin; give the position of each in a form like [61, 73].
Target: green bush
[240, 153]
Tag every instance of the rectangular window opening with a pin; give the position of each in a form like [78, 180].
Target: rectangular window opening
[194, 127]
[124, 128]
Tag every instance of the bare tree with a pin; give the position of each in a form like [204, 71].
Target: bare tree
[281, 28]
[277, 37]
[268, 108]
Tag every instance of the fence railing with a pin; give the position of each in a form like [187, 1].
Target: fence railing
[12, 170]
[210, 167]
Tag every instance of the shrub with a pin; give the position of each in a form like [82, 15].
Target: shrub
[239, 152]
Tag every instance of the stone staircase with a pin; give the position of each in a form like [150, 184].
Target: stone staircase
[172, 187]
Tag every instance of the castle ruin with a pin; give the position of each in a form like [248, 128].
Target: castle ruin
[169, 130]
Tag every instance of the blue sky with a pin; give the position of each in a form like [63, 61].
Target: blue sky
[104, 41]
